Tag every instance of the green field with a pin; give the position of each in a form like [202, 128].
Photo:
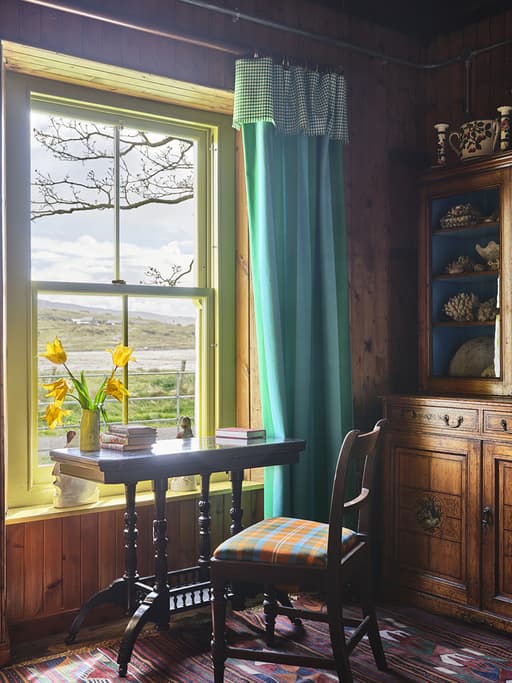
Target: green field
[161, 382]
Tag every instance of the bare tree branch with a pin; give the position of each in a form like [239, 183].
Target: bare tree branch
[153, 169]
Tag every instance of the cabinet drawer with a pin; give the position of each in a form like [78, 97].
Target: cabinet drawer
[498, 424]
[440, 418]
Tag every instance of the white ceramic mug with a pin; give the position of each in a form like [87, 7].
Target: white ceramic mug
[475, 138]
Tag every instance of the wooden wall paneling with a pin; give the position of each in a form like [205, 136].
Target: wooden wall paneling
[71, 570]
[218, 511]
[107, 564]
[29, 22]
[360, 219]
[89, 554]
[482, 75]
[15, 571]
[403, 86]
[118, 541]
[101, 45]
[52, 565]
[33, 570]
[188, 552]
[499, 79]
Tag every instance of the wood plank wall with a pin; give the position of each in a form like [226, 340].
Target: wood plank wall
[491, 78]
[392, 109]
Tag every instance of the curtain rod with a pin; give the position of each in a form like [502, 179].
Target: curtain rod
[237, 49]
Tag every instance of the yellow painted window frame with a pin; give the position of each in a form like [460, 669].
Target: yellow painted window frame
[25, 486]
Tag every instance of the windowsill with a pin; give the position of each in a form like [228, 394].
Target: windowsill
[39, 512]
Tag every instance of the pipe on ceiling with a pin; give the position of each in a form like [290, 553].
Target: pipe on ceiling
[237, 49]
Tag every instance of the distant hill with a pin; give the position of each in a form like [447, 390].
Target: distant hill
[89, 310]
[98, 328]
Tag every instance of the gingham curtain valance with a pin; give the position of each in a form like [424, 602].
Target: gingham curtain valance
[294, 99]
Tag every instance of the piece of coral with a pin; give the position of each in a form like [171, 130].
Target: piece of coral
[462, 306]
[487, 310]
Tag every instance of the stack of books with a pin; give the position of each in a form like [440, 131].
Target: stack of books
[239, 435]
[129, 437]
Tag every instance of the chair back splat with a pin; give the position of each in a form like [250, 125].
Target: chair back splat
[284, 551]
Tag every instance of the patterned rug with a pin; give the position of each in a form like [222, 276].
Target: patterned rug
[419, 648]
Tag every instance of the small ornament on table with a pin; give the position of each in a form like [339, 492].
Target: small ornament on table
[185, 431]
[188, 482]
[442, 132]
[505, 122]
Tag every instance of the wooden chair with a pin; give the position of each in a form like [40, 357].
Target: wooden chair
[316, 556]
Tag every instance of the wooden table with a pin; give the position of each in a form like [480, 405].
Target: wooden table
[154, 598]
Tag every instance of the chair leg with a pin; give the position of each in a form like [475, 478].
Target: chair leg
[270, 613]
[368, 608]
[219, 630]
[338, 643]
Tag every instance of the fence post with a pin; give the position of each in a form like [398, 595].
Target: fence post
[179, 375]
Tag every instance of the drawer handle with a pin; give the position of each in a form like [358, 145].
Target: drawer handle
[486, 516]
[446, 420]
[503, 424]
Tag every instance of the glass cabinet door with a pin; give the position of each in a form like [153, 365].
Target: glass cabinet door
[462, 288]
[465, 268]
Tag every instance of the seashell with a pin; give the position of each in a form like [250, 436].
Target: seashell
[454, 267]
[461, 264]
[478, 267]
[473, 357]
[494, 264]
[490, 252]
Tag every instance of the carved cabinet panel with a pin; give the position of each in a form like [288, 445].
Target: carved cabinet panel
[497, 528]
[434, 502]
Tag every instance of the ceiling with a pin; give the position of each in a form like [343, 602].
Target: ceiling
[425, 20]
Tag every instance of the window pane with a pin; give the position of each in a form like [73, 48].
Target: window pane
[71, 199]
[162, 382]
[86, 326]
[158, 208]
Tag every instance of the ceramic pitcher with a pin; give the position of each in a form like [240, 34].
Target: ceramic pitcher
[475, 138]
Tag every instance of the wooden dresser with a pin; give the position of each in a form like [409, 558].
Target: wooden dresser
[448, 505]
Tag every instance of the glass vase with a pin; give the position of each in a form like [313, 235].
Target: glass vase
[90, 430]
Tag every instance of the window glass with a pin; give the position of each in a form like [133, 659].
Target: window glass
[158, 208]
[161, 381]
[72, 202]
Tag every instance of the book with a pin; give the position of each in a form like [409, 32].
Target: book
[124, 446]
[131, 429]
[245, 433]
[142, 439]
[233, 441]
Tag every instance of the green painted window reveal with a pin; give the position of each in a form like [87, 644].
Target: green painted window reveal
[117, 232]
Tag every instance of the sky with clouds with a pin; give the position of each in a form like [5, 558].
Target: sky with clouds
[80, 248]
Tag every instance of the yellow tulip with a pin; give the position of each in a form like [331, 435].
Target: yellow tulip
[121, 355]
[54, 415]
[116, 389]
[54, 352]
[58, 390]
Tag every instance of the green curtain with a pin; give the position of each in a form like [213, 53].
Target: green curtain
[299, 269]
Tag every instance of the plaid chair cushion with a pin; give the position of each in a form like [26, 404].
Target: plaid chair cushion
[282, 540]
